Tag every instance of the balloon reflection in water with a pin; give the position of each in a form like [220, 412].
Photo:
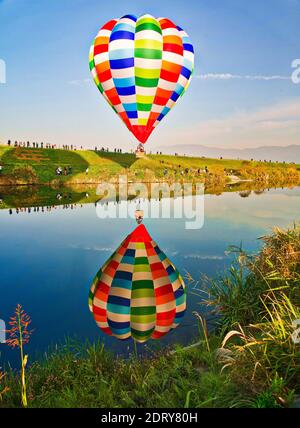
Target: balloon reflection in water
[138, 292]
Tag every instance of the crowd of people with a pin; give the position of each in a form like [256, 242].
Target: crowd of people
[42, 145]
[34, 145]
[44, 209]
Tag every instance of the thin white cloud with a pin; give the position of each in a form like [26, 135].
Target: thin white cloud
[273, 125]
[229, 76]
[79, 82]
[203, 257]
[88, 248]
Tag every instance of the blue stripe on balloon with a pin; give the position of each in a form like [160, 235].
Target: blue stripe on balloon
[130, 90]
[123, 275]
[175, 96]
[170, 270]
[179, 89]
[132, 114]
[129, 107]
[118, 309]
[186, 72]
[165, 110]
[118, 325]
[130, 253]
[124, 27]
[180, 300]
[120, 54]
[118, 332]
[178, 293]
[116, 64]
[133, 17]
[119, 35]
[160, 117]
[126, 259]
[162, 256]
[173, 276]
[188, 47]
[125, 82]
[122, 283]
[119, 301]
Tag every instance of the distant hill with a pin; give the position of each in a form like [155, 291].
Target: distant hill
[273, 153]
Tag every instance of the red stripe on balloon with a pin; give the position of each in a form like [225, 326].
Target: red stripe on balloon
[166, 23]
[162, 316]
[109, 25]
[170, 77]
[171, 47]
[100, 49]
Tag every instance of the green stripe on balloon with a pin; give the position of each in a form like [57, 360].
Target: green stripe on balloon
[143, 319]
[143, 310]
[141, 335]
[138, 293]
[148, 53]
[148, 26]
[146, 83]
[143, 283]
[144, 107]
[141, 261]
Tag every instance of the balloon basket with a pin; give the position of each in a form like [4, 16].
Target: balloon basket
[140, 155]
[140, 151]
[139, 216]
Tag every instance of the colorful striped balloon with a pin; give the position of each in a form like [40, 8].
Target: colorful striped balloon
[138, 292]
[141, 66]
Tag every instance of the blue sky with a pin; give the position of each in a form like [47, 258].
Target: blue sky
[241, 94]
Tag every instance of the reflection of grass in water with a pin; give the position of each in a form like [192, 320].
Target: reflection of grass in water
[36, 196]
[30, 196]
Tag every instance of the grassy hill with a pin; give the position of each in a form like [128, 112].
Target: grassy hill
[38, 166]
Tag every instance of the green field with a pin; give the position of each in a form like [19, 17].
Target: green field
[38, 166]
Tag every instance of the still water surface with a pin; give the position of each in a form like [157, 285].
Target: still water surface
[49, 259]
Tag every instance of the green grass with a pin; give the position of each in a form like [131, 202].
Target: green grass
[105, 166]
[184, 378]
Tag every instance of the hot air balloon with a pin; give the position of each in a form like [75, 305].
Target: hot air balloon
[141, 66]
[138, 292]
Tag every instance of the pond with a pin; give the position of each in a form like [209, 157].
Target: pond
[49, 257]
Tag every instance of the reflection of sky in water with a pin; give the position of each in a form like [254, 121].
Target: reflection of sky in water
[48, 260]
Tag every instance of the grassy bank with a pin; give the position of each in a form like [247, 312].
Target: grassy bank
[250, 358]
[38, 166]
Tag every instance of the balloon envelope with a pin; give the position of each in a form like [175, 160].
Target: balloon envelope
[138, 292]
[141, 66]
